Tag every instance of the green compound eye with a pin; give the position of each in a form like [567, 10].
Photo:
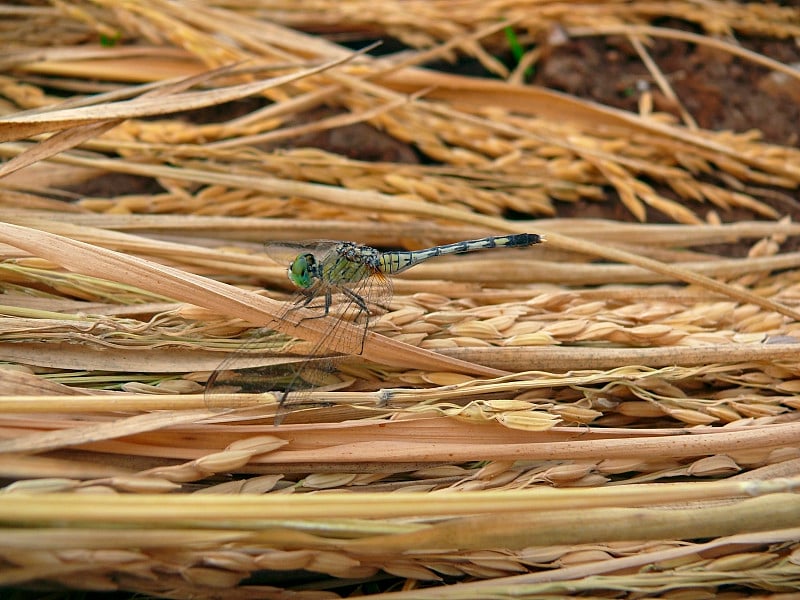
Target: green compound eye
[300, 270]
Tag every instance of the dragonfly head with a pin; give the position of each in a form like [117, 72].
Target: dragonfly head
[302, 269]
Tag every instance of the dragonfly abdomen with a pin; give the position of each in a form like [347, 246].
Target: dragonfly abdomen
[395, 262]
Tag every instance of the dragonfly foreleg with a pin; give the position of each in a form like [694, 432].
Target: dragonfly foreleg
[308, 298]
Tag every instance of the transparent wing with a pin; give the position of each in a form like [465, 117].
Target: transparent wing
[257, 366]
[374, 292]
[291, 370]
[284, 253]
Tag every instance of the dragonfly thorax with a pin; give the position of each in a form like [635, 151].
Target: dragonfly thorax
[303, 270]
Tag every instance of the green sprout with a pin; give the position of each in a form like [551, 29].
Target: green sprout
[517, 51]
[109, 41]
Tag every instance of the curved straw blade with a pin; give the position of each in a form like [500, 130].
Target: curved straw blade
[224, 299]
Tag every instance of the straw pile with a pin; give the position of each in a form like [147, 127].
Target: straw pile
[524, 422]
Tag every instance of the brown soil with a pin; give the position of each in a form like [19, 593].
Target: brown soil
[719, 91]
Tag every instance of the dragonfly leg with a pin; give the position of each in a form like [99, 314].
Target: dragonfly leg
[309, 297]
[281, 411]
[303, 302]
[362, 306]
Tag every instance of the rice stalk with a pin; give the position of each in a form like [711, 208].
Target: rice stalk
[569, 417]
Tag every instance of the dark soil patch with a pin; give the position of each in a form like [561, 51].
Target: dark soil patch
[719, 91]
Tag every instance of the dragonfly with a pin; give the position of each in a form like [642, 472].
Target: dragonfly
[349, 278]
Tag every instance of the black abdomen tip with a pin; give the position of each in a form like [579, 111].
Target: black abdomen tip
[524, 239]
